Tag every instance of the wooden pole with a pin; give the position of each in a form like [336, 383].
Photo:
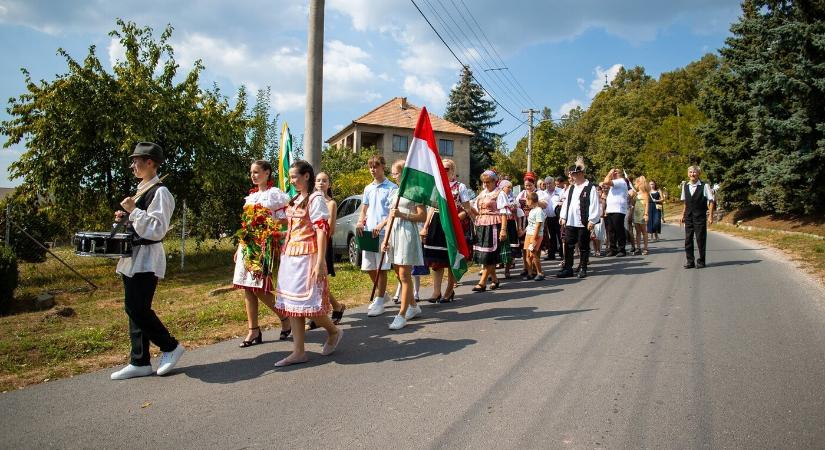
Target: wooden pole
[381, 249]
[56, 257]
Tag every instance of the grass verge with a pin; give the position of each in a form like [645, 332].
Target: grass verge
[38, 346]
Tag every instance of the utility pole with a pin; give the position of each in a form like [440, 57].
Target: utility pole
[315, 81]
[530, 113]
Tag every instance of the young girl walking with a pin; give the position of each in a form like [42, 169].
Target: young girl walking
[257, 250]
[302, 290]
[533, 236]
[404, 247]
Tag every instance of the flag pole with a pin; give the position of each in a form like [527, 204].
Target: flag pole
[383, 244]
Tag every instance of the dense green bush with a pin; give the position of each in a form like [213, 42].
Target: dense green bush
[8, 277]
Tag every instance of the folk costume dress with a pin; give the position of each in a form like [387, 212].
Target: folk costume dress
[259, 279]
[296, 294]
[435, 248]
[514, 213]
[488, 250]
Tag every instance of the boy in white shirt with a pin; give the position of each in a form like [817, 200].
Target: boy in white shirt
[149, 219]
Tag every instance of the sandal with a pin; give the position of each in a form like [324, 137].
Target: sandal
[338, 315]
[494, 285]
[436, 299]
[447, 299]
[285, 334]
[259, 339]
[311, 325]
[479, 288]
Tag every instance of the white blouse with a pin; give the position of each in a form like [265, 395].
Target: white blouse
[273, 199]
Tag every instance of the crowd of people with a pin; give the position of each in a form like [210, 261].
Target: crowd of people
[559, 217]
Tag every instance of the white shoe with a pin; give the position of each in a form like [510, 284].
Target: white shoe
[131, 371]
[169, 359]
[398, 323]
[412, 312]
[376, 308]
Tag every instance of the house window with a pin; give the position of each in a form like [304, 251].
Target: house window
[400, 143]
[445, 147]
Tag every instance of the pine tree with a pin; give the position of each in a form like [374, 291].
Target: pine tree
[468, 107]
[767, 129]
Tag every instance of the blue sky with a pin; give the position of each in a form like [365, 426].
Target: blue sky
[557, 52]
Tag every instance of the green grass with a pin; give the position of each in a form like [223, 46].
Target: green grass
[39, 345]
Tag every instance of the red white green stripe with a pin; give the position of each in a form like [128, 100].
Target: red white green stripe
[424, 180]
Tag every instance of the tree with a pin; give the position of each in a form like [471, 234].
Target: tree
[347, 169]
[765, 136]
[79, 128]
[468, 107]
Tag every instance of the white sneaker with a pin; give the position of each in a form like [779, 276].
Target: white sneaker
[412, 312]
[169, 359]
[131, 371]
[376, 308]
[398, 323]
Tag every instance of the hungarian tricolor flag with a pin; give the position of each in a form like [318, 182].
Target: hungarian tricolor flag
[284, 161]
[424, 180]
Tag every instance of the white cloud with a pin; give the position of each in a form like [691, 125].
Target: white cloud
[566, 107]
[117, 52]
[599, 81]
[580, 83]
[430, 91]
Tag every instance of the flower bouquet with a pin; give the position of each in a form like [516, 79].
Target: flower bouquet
[258, 236]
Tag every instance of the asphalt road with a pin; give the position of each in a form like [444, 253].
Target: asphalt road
[642, 354]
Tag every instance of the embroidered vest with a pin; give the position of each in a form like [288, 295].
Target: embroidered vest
[142, 203]
[584, 203]
[300, 236]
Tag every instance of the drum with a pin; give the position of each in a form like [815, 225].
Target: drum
[103, 244]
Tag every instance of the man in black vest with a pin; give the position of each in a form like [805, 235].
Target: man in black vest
[149, 219]
[580, 212]
[696, 215]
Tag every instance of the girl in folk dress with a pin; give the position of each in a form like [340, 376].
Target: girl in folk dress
[514, 219]
[435, 244]
[404, 247]
[302, 277]
[491, 230]
[324, 186]
[253, 263]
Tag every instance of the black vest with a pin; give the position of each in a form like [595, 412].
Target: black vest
[142, 203]
[696, 205]
[584, 203]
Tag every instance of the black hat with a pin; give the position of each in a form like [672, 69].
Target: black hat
[149, 150]
[575, 169]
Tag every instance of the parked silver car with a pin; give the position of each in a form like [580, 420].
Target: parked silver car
[343, 240]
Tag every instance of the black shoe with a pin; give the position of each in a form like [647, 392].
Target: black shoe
[527, 277]
[621, 254]
[523, 273]
[565, 273]
[689, 265]
[494, 285]
[612, 253]
[259, 339]
[285, 334]
[700, 265]
[583, 273]
[578, 269]
[447, 299]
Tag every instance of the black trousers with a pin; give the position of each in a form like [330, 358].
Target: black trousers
[552, 236]
[144, 325]
[573, 236]
[616, 232]
[699, 229]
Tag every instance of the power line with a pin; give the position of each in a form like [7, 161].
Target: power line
[495, 77]
[496, 52]
[474, 58]
[460, 62]
[484, 47]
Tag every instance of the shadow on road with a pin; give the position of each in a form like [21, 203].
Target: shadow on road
[733, 263]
